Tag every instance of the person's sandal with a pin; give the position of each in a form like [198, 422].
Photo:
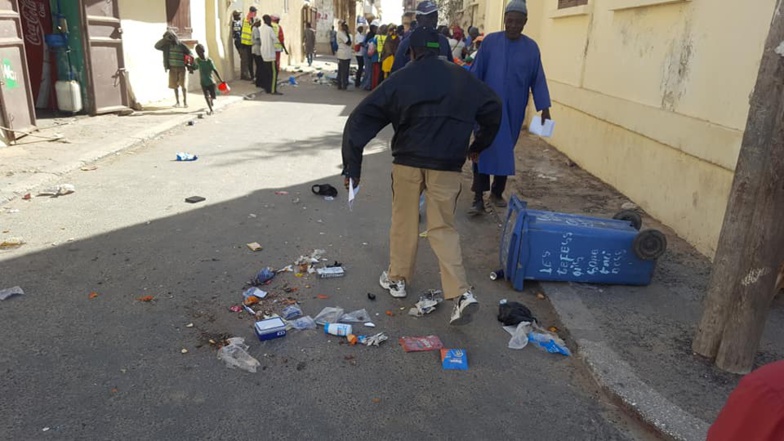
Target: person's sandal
[324, 190]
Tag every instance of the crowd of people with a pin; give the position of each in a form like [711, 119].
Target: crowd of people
[259, 41]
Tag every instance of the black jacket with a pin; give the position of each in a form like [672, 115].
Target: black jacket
[433, 106]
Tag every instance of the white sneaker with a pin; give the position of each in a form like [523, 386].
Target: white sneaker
[396, 289]
[465, 306]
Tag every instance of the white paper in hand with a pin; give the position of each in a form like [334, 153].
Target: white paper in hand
[352, 194]
[537, 128]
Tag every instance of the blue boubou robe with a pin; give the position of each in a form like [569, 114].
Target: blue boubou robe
[511, 68]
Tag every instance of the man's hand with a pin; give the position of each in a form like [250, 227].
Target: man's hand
[346, 182]
[473, 156]
[545, 115]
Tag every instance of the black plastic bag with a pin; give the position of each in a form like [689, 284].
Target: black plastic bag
[513, 313]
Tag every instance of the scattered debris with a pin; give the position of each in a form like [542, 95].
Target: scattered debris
[513, 313]
[189, 325]
[497, 274]
[58, 190]
[271, 328]
[191, 123]
[549, 178]
[358, 316]
[291, 312]
[303, 323]
[146, 299]
[423, 234]
[369, 325]
[184, 351]
[255, 246]
[338, 329]
[27, 196]
[373, 340]
[519, 335]
[553, 329]
[11, 242]
[182, 156]
[540, 296]
[324, 190]
[376, 400]
[254, 292]
[329, 315]
[548, 342]
[390, 313]
[93, 295]
[371, 296]
[194, 199]
[235, 355]
[235, 308]
[629, 206]
[427, 303]
[10, 292]
[454, 360]
[330, 272]
[90, 167]
[322, 297]
[420, 344]
[263, 276]
[281, 193]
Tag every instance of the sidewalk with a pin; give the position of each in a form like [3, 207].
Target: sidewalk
[62, 145]
[637, 340]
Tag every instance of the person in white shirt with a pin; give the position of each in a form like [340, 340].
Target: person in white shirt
[359, 49]
[344, 56]
[256, 48]
[269, 71]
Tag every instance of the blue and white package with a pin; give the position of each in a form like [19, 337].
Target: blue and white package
[454, 360]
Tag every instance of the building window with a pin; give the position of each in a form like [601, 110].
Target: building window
[178, 17]
[570, 3]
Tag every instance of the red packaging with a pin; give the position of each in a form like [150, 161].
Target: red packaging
[421, 344]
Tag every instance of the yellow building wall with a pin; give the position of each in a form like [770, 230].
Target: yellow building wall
[651, 96]
[143, 24]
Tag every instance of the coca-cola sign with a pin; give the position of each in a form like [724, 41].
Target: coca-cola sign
[33, 13]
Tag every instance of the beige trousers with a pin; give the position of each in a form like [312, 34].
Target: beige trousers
[442, 190]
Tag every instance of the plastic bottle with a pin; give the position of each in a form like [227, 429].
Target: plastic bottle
[339, 329]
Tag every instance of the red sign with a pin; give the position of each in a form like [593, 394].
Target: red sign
[36, 21]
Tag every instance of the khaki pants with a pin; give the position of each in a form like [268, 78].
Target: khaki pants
[442, 190]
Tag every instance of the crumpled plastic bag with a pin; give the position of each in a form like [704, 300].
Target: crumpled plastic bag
[10, 292]
[548, 342]
[513, 313]
[519, 335]
[358, 316]
[427, 303]
[235, 355]
[302, 323]
[329, 315]
[291, 312]
[373, 340]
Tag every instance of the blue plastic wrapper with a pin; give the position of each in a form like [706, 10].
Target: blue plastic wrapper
[264, 276]
[548, 343]
[454, 360]
[292, 312]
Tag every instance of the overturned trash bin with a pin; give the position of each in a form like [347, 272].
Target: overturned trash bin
[549, 246]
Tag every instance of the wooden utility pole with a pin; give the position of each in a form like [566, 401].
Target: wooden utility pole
[751, 245]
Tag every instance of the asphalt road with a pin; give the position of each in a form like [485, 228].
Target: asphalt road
[112, 367]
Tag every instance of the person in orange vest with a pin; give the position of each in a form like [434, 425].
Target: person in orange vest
[280, 46]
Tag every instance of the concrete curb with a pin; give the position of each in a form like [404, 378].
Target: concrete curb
[615, 375]
[37, 180]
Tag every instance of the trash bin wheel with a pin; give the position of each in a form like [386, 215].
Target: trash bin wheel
[650, 244]
[631, 216]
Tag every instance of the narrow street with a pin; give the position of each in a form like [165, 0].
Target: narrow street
[76, 366]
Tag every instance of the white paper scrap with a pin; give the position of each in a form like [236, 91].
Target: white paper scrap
[352, 193]
[537, 128]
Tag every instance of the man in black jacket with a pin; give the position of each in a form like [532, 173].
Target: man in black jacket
[433, 106]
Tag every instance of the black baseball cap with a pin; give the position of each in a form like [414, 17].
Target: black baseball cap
[425, 37]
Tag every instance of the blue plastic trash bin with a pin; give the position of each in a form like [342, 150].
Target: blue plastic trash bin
[544, 245]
